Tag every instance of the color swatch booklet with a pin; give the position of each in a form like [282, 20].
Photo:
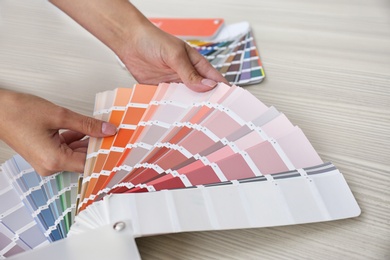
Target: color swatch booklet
[181, 161]
[230, 48]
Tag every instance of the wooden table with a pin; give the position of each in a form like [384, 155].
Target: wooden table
[327, 67]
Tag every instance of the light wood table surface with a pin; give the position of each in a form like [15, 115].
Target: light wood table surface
[327, 67]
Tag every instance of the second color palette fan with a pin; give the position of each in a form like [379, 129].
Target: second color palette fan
[171, 137]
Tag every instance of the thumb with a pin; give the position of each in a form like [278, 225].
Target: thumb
[190, 76]
[87, 125]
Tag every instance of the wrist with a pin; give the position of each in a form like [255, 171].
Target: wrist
[133, 26]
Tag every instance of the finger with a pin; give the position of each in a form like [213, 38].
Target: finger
[204, 67]
[78, 144]
[73, 161]
[86, 125]
[188, 74]
[62, 159]
[71, 136]
[82, 150]
[76, 163]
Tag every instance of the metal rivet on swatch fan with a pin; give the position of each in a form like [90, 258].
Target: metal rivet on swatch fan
[119, 226]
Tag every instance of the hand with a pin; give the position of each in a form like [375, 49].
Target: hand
[33, 127]
[153, 56]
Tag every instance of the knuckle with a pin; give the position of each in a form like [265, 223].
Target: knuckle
[60, 114]
[193, 76]
[54, 161]
[48, 166]
[178, 51]
[88, 124]
[175, 56]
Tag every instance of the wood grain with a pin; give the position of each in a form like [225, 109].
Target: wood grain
[327, 67]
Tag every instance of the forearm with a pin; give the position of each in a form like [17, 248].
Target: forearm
[151, 55]
[6, 97]
[113, 22]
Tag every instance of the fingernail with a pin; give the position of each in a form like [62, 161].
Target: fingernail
[209, 83]
[108, 129]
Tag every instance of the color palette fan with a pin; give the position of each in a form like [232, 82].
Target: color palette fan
[233, 53]
[230, 48]
[199, 161]
[34, 210]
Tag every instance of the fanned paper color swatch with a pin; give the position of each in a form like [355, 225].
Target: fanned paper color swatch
[234, 53]
[230, 48]
[200, 161]
[179, 138]
[34, 210]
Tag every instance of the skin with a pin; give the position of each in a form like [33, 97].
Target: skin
[32, 127]
[53, 139]
[151, 55]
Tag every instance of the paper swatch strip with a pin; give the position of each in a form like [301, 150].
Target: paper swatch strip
[293, 197]
[34, 210]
